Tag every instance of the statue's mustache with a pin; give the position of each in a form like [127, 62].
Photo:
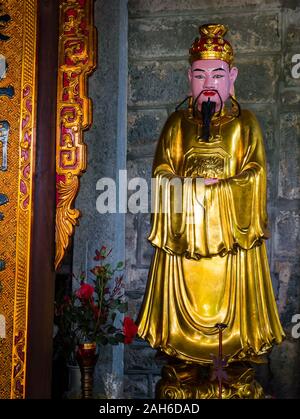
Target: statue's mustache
[194, 101]
[208, 90]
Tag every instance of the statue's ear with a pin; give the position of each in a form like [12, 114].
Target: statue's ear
[232, 76]
[190, 74]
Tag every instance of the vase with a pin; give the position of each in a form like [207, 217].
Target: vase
[87, 357]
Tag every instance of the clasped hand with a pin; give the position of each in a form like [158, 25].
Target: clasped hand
[210, 181]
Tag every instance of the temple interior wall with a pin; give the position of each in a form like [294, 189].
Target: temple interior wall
[130, 108]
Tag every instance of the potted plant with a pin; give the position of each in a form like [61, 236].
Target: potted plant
[88, 317]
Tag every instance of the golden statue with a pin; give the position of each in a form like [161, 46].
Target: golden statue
[210, 266]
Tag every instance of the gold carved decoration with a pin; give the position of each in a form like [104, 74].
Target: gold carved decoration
[206, 160]
[77, 60]
[18, 112]
[212, 166]
[190, 381]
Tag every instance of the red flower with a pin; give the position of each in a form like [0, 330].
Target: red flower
[98, 256]
[98, 270]
[129, 330]
[85, 291]
[67, 300]
[102, 253]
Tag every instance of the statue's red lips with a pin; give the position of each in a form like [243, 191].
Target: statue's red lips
[209, 93]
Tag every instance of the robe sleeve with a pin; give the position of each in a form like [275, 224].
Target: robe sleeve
[235, 208]
[200, 221]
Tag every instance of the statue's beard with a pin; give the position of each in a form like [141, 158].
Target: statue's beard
[208, 109]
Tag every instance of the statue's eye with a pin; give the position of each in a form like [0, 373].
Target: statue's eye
[218, 76]
[200, 77]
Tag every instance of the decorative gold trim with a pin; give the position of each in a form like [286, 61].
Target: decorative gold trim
[191, 381]
[77, 60]
[25, 199]
[212, 55]
[91, 345]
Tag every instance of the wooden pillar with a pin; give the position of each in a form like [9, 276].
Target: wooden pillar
[41, 295]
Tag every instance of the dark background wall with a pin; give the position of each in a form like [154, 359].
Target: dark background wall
[265, 35]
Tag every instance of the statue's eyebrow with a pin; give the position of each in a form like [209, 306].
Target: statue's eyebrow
[215, 69]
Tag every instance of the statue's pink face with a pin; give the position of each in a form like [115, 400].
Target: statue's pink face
[208, 76]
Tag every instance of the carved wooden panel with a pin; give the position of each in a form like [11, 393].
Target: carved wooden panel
[77, 60]
[18, 41]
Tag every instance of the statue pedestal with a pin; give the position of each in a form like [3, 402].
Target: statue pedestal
[190, 381]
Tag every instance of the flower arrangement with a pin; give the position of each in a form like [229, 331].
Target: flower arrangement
[90, 313]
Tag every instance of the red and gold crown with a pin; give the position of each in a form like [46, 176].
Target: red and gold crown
[211, 45]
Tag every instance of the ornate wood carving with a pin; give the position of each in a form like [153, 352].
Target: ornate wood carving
[77, 60]
[18, 36]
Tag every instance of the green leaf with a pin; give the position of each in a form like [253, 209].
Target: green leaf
[111, 329]
[103, 340]
[120, 337]
[112, 340]
[120, 265]
[123, 307]
[113, 304]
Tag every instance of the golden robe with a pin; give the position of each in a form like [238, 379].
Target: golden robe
[210, 264]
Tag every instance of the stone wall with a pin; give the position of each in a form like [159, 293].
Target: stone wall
[106, 142]
[265, 35]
